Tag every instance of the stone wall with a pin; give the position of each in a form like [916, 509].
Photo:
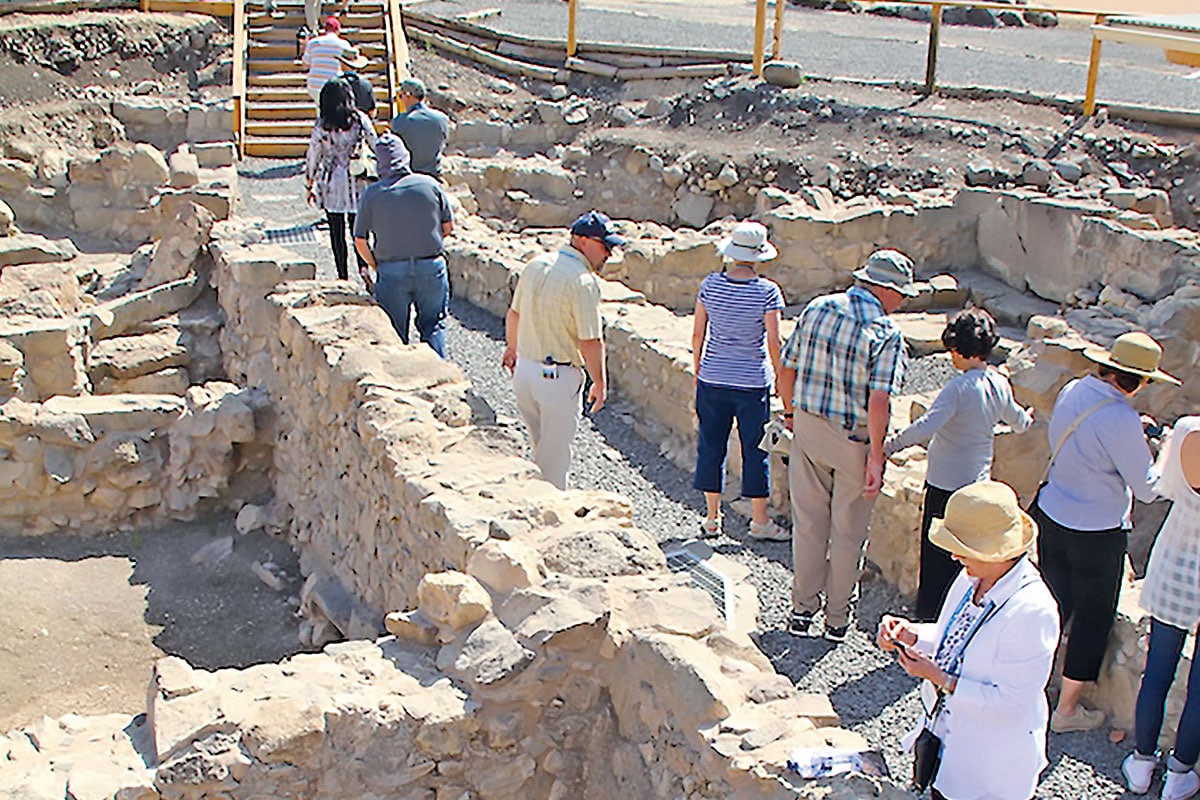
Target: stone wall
[120, 460]
[521, 612]
[122, 196]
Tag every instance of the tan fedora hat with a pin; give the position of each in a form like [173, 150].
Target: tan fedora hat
[1133, 352]
[354, 59]
[984, 521]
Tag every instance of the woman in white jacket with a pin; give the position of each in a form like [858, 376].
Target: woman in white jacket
[989, 654]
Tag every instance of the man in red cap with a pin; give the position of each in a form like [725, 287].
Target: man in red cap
[323, 54]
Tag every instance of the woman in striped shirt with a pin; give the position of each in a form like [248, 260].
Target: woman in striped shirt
[735, 353]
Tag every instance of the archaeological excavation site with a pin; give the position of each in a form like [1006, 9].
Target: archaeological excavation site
[254, 546]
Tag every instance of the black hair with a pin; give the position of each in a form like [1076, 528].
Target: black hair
[337, 106]
[971, 333]
[1127, 381]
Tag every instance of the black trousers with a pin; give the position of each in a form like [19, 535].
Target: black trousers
[938, 569]
[337, 237]
[1083, 571]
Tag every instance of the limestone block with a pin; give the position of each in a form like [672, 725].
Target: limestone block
[1020, 459]
[783, 73]
[505, 566]
[30, 248]
[561, 615]
[45, 291]
[486, 656]
[133, 356]
[894, 537]
[413, 626]
[53, 355]
[11, 360]
[922, 332]
[603, 553]
[119, 315]
[173, 380]
[679, 610]
[679, 680]
[693, 208]
[121, 412]
[1039, 371]
[7, 220]
[214, 154]
[453, 599]
[182, 240]
[185, 170]
[147, 165]
[1008, 305]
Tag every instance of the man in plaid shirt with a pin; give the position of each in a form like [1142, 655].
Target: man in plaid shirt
[841, 367]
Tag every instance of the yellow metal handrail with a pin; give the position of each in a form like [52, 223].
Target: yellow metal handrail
[398, 65]
[239, 76]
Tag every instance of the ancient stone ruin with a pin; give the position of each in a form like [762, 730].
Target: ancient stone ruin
[477, 633]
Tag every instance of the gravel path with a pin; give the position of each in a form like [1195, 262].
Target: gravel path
[872, 694]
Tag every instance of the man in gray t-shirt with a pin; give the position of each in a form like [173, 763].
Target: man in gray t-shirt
[423, 129]
[407, 215]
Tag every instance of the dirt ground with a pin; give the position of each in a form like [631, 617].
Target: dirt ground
[87, 616]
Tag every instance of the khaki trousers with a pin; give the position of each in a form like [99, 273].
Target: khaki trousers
[829, 516]
[551, 409]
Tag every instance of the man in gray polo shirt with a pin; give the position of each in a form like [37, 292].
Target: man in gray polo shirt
[423, 129]
[407, 214]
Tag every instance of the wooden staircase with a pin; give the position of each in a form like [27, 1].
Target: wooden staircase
[276, 115]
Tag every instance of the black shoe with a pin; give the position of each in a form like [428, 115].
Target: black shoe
[801, 624]
[836, 635]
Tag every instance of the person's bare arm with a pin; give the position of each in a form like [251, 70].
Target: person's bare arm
[774, 346]
[593, 359]
[511, 321]
[699, 332]
[364, 249]
[879, 409]
[447, 227]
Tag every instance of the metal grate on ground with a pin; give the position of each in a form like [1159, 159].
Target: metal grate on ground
[297, 234]
[684, 559]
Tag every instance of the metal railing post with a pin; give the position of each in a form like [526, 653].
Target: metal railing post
[1089, 99]
[571, 42]
[760, 35]
[935, 33]
[777, 33]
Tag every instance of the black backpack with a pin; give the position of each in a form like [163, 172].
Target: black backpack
[364, 95]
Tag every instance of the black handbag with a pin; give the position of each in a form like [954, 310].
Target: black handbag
[927, 757]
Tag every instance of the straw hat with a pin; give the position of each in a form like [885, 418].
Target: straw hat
[890, 269]
[1133, 352]
[354, 59]
[984, 521]
[747, 242]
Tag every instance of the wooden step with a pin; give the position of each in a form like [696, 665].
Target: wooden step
[292, 23]
[265, 35]
[285, 94]
[294, 80]
[276, 147]
[292, 128]
[288, 66]
[257, 50]
[282, 111]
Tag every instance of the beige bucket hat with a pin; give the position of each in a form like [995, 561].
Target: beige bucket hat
[984, 521]
[890, 269]
[1133, 352]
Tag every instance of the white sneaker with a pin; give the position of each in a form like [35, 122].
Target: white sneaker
[1139, 772]
[1180, 785]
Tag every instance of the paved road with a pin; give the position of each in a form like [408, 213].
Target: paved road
[866, 47]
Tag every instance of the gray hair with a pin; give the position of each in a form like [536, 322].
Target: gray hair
[414, 87]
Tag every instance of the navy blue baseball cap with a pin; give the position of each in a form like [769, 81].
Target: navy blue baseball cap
[595, 225]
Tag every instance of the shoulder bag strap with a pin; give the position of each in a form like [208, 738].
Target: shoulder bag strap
[1067, 434]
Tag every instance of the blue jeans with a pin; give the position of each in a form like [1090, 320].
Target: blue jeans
[420, 282]
[716, 408]
[1166, 645]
